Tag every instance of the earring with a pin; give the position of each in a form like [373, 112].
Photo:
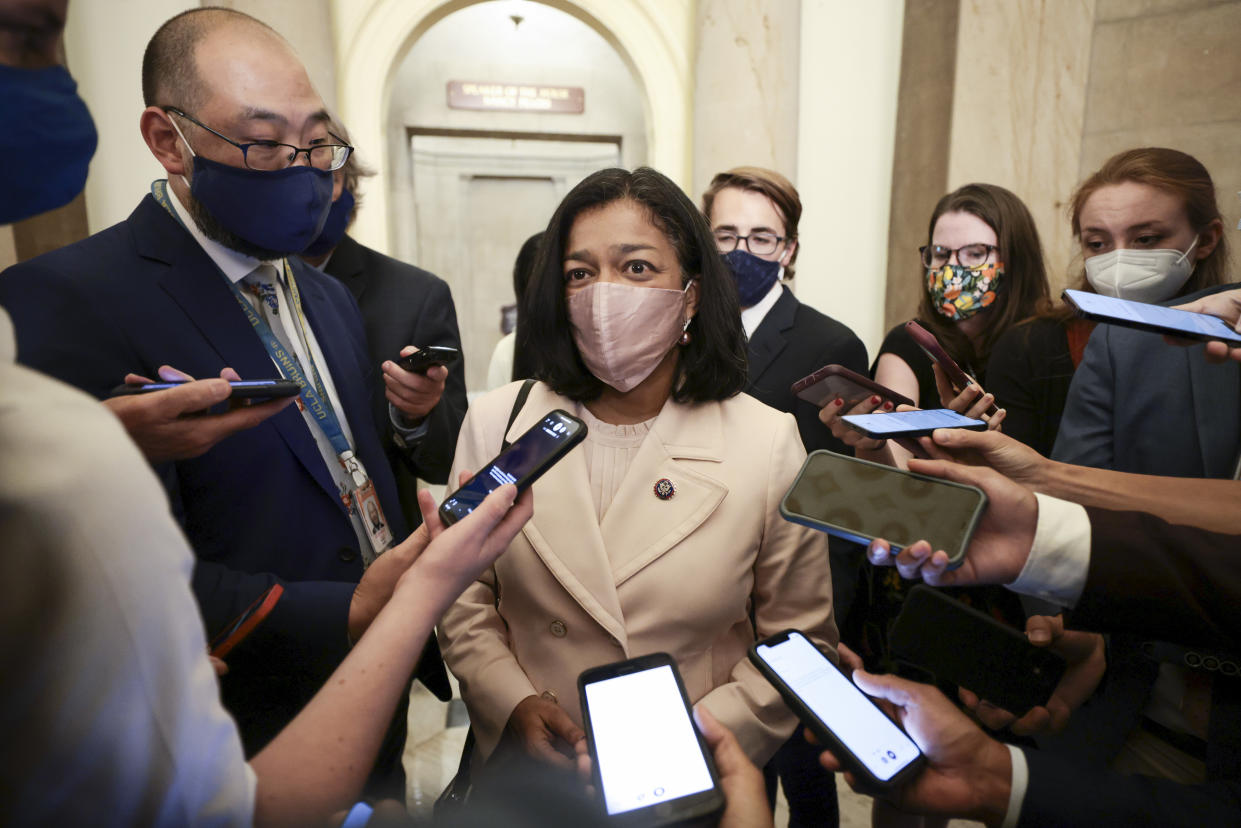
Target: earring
[685, 337]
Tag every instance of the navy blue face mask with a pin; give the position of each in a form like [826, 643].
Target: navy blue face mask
[46, 143]
[334, 228]
[754, 276]
[277, 210]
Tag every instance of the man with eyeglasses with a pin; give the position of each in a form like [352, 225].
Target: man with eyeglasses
[754, 213]
[202, 276]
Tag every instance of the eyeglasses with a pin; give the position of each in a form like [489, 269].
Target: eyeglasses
[971, 255]
[760, 244]
[272, 155]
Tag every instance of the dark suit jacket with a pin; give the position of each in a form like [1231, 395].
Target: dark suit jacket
[260, 506]
[794, 340]
[1065, 792]
[1139, 405]
[405, 305]
[1174, 583]
[1156, 579]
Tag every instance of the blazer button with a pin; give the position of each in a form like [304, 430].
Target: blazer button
[549, 695]
[347, 554]
[559, 629]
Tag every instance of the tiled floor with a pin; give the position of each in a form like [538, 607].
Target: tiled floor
[433, 752]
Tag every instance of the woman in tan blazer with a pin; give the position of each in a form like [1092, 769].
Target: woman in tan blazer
[661, 532]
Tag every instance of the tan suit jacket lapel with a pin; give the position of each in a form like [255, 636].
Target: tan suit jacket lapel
[564, 532]
[639, 527]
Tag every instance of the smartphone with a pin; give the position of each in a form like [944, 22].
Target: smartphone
[860, 500]
[241, 626]
[886, 425]
[242, 389]
[649, 761]
[1154, 318]
[523, 462]
[960, 645]
[931, 347]
[833, 381]
[836, 711]
[424, 358]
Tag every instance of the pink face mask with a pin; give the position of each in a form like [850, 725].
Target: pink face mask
[624, 331]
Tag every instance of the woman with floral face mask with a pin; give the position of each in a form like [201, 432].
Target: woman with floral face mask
[661, 532]
[982, 271]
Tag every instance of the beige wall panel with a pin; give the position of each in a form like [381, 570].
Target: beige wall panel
[1178, 68]
[8, 247]
[1215, 145]
[746, 87]
[923, 133]
[1019, 102]
[307, 24]
[1117, 9]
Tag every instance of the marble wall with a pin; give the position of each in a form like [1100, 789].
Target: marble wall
[1168, 73]
[1044, 91]
[745, 87]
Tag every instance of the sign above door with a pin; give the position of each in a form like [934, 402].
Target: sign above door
[515, 97]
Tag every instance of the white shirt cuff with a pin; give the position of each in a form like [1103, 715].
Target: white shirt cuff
[1060, 556]
[1017, 792]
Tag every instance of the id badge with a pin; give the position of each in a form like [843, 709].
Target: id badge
[373, 520]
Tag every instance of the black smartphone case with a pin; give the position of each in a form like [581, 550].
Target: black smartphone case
[674, 812]
[959, 645]
[826, 737]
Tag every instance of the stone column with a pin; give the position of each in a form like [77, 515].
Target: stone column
[745, 87]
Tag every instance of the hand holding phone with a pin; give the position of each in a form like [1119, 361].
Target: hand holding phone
[859, 500]
[1154, 318]
[960, 645]
[240, 389]
[240, 627]
[832, 382]
[421, 361]
[931, 347]
[522, 463]
[955, 748]
[648, 760]
[839, 714]
[892, 424]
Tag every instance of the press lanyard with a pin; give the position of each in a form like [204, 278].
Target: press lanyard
[312, 393]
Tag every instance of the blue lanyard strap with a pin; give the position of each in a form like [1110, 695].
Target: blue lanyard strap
[312, 392]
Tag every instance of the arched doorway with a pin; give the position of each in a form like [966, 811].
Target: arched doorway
[374, 35]
[494, 113]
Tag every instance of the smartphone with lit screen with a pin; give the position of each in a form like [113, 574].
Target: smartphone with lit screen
[1154, 318]
[522, 463]
[888, 425]
[840, 715]
[650, 764]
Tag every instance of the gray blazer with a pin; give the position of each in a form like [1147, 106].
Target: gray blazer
[1140, 405]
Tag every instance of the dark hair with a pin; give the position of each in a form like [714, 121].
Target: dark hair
[711, 367]
[523, 268]
[524, 264]
[1023, 290]
[169, 66]
[1173, 172]
[765, 182]
[354, 170]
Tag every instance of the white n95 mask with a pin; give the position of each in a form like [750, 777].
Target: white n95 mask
[1140, 275]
